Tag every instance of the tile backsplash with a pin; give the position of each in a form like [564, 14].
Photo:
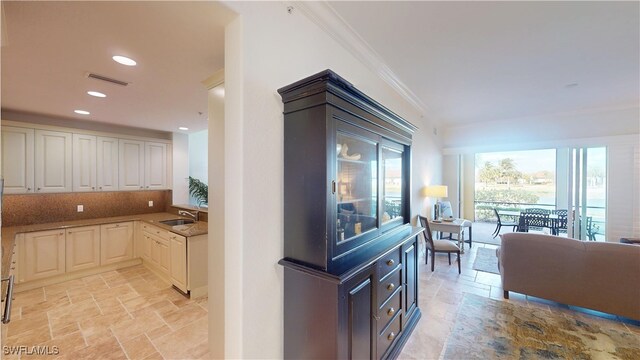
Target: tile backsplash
[44, 208]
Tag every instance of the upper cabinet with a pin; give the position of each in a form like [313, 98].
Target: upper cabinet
[107, 163]
[53, 161]
[346, 174]
[17, 159]
[131, 164]
[84, 162]
[155, 168]
[43, 160]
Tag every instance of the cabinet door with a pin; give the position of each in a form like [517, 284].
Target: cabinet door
[17, 160]
[43, 254]
[155, 165]
[84, 162]
[116, 242]
[53, 161]
[130, 165]
[165, 259]
[178, 266]
[107, 163]
[146, 246]
[361, 325]
[82, 248]
[410, 278]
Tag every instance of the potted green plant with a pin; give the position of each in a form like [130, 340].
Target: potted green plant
[199, 191]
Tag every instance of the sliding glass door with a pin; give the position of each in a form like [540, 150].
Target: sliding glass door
[586, 193]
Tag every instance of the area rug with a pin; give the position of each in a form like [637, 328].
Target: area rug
[486, 260]
[489, 329]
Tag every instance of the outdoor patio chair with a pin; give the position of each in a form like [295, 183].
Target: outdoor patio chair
[437, 246]
[501, 223]
[532, 220]
[536, 211]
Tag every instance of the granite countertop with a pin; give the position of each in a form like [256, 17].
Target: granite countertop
[9, 233]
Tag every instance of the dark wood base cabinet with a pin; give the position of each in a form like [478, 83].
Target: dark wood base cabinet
[350, 253]
[367, 314]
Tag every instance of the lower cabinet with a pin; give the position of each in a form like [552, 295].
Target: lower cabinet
[160, 254]
[367, 314]
[178, 266]
[41, 255]
[116, 242]
[82, 248]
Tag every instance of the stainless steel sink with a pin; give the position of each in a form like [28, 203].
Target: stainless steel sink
[174, 222]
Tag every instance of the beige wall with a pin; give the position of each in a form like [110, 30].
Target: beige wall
[267, 48]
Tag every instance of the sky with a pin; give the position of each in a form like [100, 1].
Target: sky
[529, 161]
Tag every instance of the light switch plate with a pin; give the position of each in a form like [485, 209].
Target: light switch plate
[80, 208]
[150, 203]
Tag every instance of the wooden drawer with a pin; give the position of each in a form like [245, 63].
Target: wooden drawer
[155, 231]
[388, 336]
[388, 263]
[388, 311]
[388, 285]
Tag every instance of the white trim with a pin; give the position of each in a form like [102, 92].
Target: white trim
[323, 15]
[546, 144]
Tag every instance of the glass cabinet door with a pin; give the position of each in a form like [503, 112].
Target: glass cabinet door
[392, 205]
[357, 186]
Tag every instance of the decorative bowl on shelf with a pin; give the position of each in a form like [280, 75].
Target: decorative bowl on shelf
[449, 219]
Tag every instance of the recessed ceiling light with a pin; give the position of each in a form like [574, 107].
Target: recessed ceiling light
[81, 112]
[183, 128]
[572, 85]
[124, 60]
[96, 94]
[219, 91]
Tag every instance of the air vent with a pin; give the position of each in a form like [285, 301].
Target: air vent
[107, 79]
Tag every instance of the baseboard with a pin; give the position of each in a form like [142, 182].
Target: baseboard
[199, 292]
[34, 284]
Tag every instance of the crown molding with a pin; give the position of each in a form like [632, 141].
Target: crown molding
[323, 15]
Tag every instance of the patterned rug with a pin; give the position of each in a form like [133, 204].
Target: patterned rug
[491, 329]
[486, 260]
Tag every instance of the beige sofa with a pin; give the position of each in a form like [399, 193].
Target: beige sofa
[603, 276]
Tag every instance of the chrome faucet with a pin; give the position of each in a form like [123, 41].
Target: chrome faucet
[194, 215]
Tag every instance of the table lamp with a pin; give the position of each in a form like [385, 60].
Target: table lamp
[436, 191]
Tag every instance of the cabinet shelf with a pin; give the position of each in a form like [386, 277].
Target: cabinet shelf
[361, 162]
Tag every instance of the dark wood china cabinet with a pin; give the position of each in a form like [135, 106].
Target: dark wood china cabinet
[350, 253]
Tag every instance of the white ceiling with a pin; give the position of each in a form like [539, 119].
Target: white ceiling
[466, 61]
[481, 61]
[51, 45]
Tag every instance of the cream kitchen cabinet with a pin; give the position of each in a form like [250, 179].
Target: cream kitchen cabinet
[41, 254]
[116, 242]
[178, 266]
[107, 163]
[17, 159]
[82, 248]
[53, 161]
[160, 254]
[155, 168]
[84, 162]
[131, 167]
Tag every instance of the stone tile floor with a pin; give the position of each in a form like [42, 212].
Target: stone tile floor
[441, 293]
[128, 313]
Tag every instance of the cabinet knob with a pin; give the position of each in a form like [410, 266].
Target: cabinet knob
[93, 188]
[391, 286]
[147, 186]
[13, 268]
[38, 189]
[70, 232]
[390, 262]
[391, 336]
[100, 188]
[141, 187]
[61, 233]
[391, 311]
[28, 189]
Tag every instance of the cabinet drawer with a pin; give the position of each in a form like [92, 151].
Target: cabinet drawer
[388, 336]
[389, 310]
[153, 230]
[388, 285]
[388, 263]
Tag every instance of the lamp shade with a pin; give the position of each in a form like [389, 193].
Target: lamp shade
[436, 191]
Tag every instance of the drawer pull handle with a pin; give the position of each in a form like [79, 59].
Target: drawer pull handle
[391, 311]
[391, 336]
[390, 262]
[391, 286]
